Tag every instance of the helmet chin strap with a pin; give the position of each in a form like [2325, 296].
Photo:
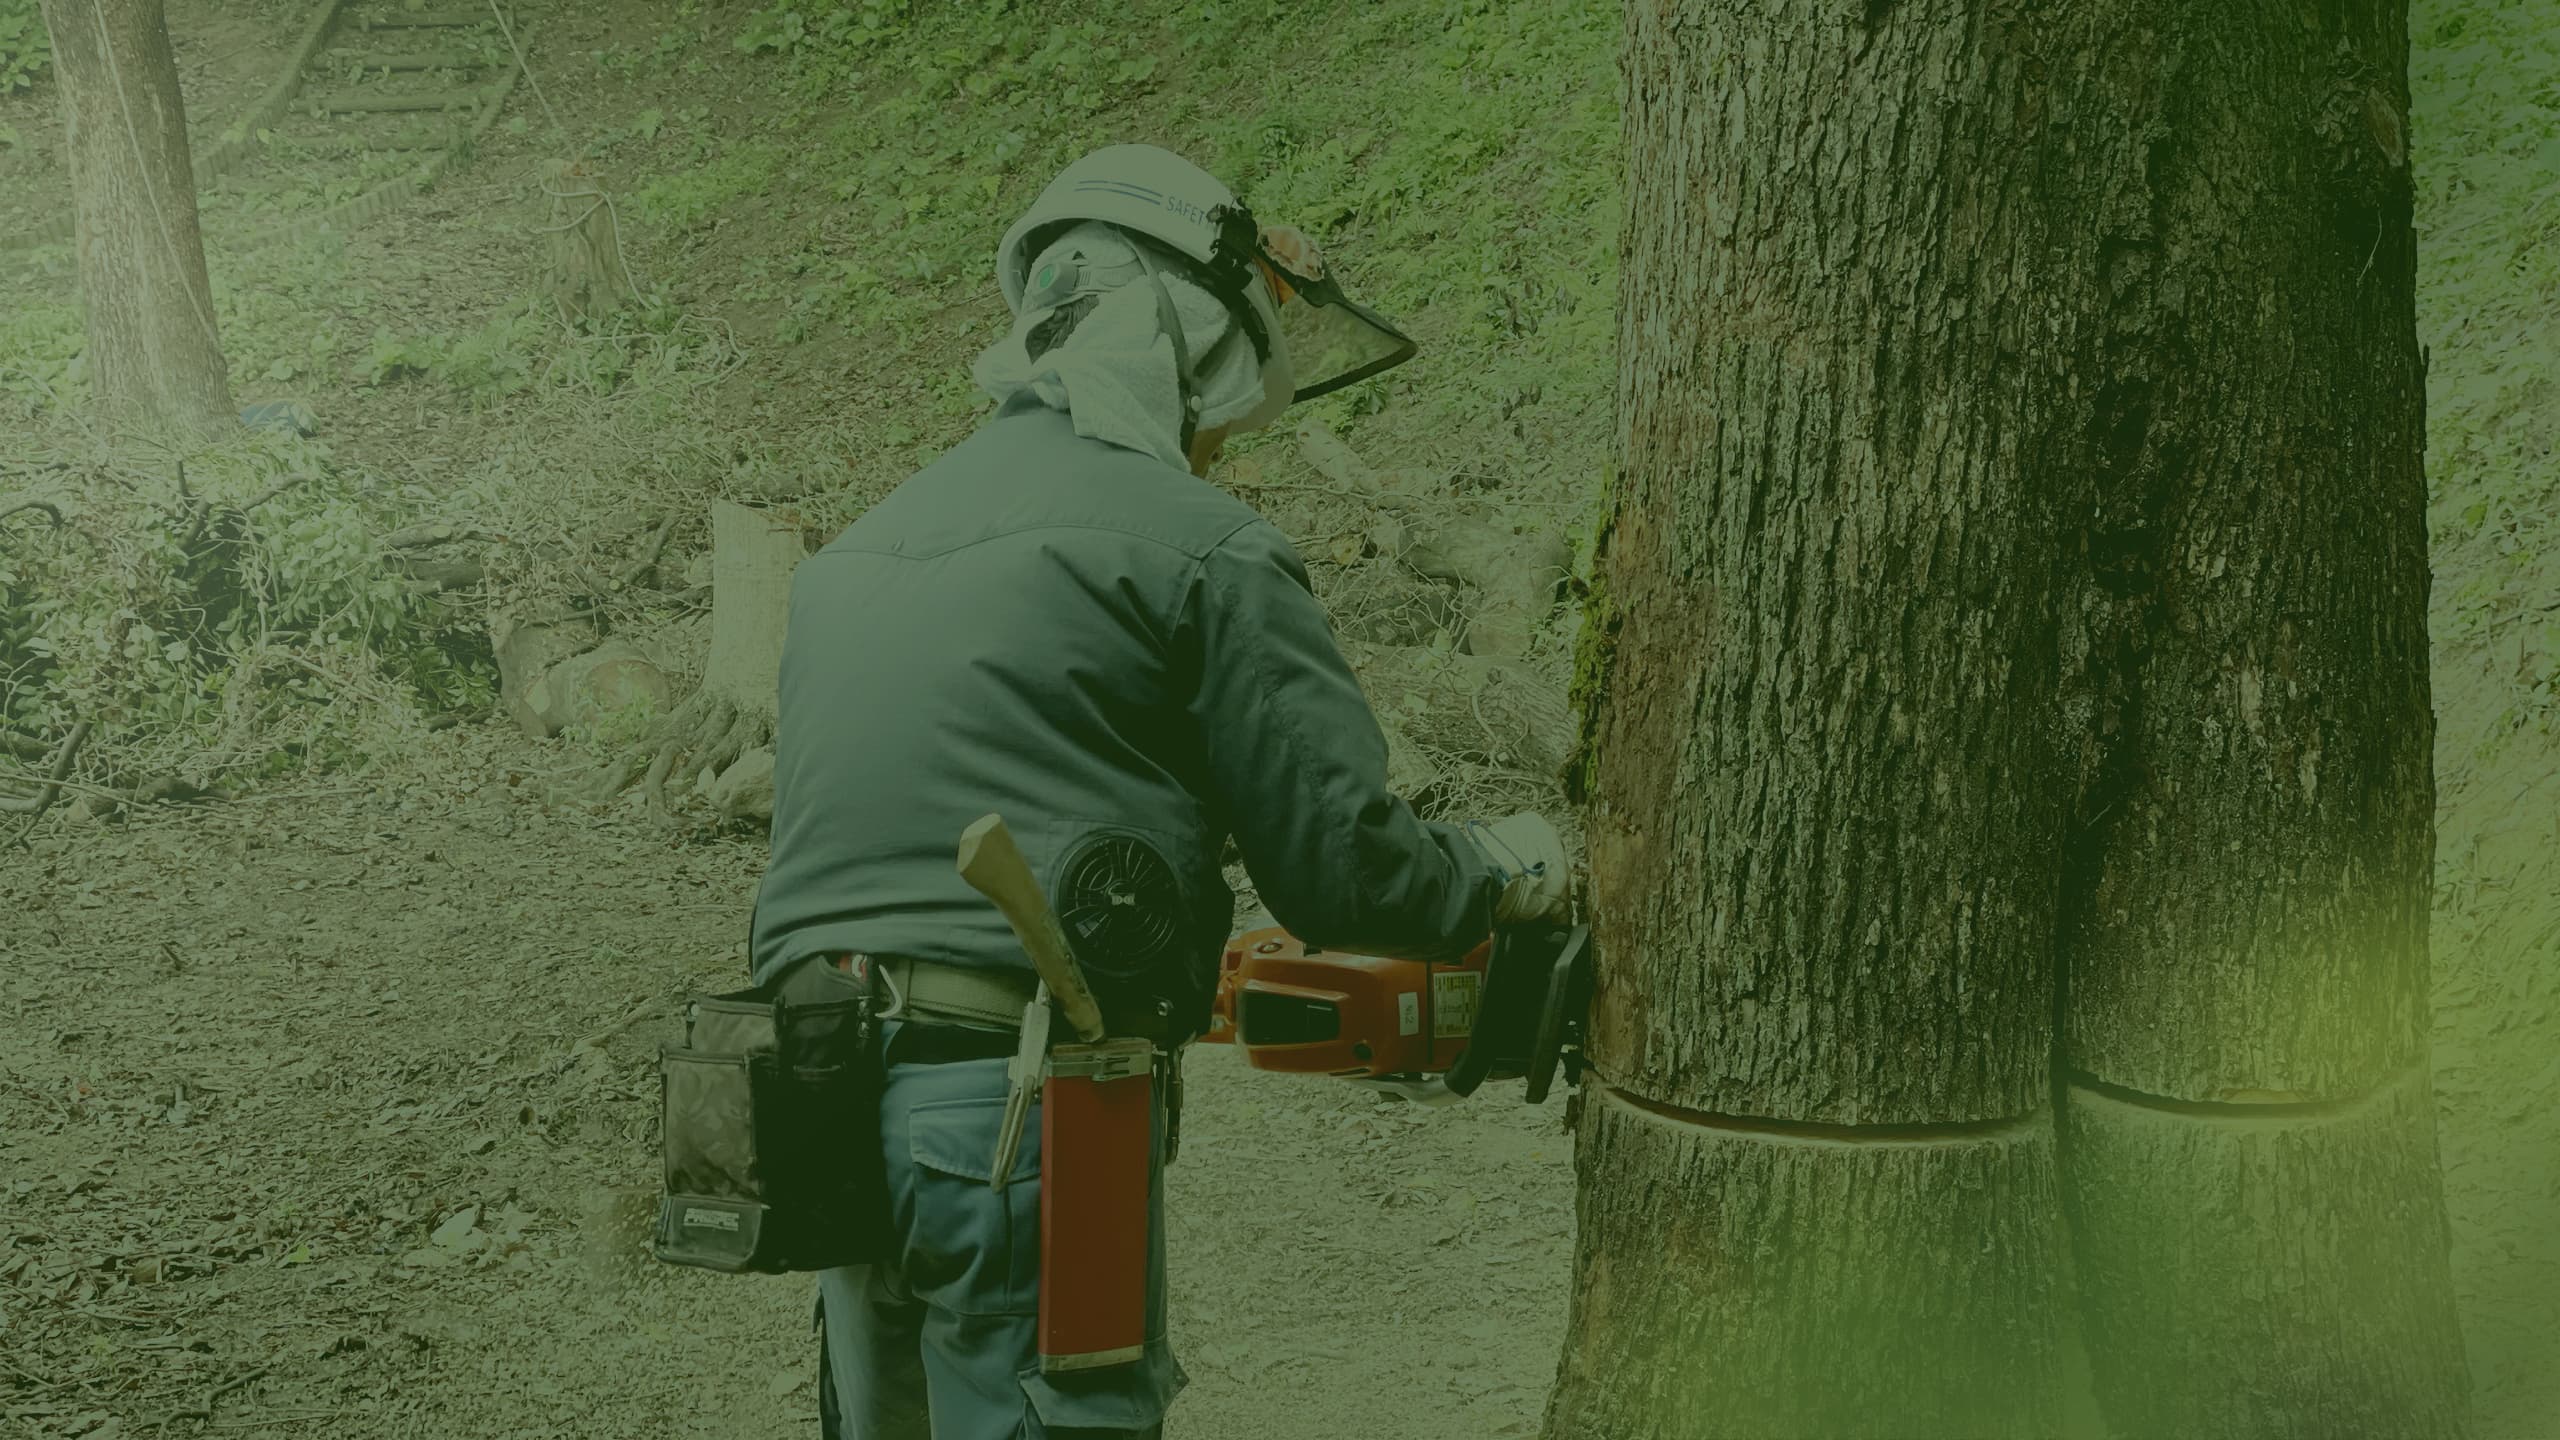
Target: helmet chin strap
[1171, 321]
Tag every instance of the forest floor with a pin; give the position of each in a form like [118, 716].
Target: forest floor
[334, 1111]
[327, 1111]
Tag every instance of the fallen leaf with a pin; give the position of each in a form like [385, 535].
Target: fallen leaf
[461, 1223]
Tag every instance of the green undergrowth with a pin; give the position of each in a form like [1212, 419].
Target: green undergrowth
[220, 616]
[26, 51]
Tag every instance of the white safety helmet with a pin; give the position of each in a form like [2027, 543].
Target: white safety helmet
[1158, 194]
[1155, 193]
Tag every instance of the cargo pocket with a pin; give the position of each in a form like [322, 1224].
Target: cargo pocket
[972, 1250]
[1126, 1400]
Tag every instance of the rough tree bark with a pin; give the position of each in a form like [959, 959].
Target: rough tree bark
[2011, 622]
[2250, 1148]
[155, 352]
[1821, 780]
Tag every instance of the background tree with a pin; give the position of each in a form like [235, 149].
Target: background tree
[154, 352]
[2010, 410]
[2250, 1134]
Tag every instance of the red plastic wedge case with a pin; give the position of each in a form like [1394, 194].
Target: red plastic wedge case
[1097, 1135]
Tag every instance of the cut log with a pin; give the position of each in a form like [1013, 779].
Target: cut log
[744, 791]
[753, 554]
[587, 688]
[1516, 577]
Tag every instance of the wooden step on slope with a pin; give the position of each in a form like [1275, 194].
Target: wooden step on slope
[339, 60]
[352, 102]
[426, 19]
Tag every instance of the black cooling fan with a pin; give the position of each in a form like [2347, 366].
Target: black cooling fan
[1120, 905]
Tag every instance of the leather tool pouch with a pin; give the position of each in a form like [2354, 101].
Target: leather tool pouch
[769, 1120]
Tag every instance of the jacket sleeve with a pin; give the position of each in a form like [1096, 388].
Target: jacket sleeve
[1299, 767]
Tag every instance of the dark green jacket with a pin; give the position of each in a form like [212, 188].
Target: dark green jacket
[1079, 636]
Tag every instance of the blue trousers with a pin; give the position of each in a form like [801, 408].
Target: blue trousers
[938, 1342]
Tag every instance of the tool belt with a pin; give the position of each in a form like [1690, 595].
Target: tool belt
[769, 1124]
[929, 992]
[932, 994]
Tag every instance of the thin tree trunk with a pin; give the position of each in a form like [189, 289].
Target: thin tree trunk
[2249, 1150]
[155, 354]
[1824, 794]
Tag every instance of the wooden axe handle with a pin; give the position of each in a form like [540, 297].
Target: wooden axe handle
[993, 865]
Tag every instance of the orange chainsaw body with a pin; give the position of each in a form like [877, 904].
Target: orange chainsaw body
[1318, 1012]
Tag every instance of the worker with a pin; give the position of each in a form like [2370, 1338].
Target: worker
[1058, 620]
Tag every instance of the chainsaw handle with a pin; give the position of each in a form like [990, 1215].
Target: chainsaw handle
[1514, 983]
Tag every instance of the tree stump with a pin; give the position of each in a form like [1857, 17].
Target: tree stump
[587, 277]
[753, 555]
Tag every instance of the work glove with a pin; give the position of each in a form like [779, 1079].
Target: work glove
[1537, 876]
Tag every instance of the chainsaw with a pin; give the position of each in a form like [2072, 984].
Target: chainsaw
[1512, 1008]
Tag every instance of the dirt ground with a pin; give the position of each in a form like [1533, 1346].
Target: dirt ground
[329, 1113]
[332, 1111]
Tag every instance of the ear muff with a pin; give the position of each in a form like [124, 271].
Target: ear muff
[1052, 284]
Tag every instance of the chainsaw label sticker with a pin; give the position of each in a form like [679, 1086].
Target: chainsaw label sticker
[1453, 1003]
[1408, 1013]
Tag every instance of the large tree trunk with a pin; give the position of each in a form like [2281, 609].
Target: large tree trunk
[2012, 608]
[2249, 1150]
[155, 353]
[1825, 800]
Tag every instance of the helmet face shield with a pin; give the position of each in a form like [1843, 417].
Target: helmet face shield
[1333, 341]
